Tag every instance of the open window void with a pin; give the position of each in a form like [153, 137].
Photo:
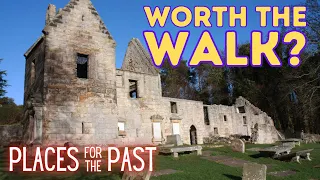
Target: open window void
[133, 89]
[82, 66]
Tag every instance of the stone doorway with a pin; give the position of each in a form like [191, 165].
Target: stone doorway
[193, 135]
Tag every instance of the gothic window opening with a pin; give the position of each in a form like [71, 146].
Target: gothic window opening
[245, 120]
[133, 89]
[82, 66]
[225, 118]
[193, 135]
[206, 115]
[241, 109]
[174, 108]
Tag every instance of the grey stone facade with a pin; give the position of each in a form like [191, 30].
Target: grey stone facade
[101, 108]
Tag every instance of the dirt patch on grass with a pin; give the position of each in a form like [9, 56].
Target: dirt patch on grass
[164, 172]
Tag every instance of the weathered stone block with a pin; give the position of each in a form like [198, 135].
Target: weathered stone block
[174, 139]
[254, 171]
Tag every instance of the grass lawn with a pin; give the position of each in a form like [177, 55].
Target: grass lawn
[190, 166]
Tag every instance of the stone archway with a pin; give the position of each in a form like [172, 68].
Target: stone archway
[193, 135]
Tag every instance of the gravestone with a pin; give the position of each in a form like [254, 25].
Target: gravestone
[253, 171]
[238, 145]
[174, 139]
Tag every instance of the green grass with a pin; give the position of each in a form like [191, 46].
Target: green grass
[191, 166]
[305, 170]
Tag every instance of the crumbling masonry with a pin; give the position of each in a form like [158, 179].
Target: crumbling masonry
[74, 93]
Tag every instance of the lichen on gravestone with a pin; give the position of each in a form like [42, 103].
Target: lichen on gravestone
[254, 171]
[238, 145]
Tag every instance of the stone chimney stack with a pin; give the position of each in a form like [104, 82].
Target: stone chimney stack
[51, 13]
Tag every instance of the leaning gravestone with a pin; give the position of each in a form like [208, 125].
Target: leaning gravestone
[238, 145]
[174, 139]
[253, 171]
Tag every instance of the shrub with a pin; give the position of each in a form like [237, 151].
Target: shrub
[10, 114]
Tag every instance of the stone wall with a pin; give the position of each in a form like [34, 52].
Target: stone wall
[34, 90]
[267, 134]
[137, 113]
[34, 72]
[10, 133]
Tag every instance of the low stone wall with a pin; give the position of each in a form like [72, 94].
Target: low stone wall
[311, 138]
[308, 138]
[10, 133]
[216, 140]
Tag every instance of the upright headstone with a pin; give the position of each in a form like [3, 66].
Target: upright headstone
[174, 139]
[253, 171]
[238, 145]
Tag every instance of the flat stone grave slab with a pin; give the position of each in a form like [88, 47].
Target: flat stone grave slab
[295, 156]
[282, 173]
[164, 172]
[180, 149]
[292, 140]
[235, 162]
[276, 151]
[229, 161]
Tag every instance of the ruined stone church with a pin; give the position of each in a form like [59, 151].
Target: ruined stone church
[74, 93]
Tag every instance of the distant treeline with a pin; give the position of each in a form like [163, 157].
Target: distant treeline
[10, 113]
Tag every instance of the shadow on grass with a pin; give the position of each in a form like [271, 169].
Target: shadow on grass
[180, 153]
[261, 155]
[232, 177]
